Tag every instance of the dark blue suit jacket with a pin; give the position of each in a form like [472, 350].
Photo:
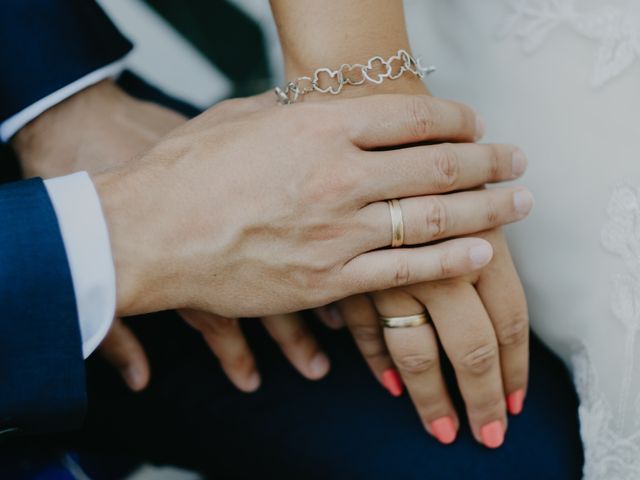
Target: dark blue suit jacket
[44, 45]
[48, 44]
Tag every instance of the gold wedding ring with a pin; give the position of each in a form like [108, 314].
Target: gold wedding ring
[405, 322]
[397, 223]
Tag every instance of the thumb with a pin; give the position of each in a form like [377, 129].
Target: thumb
[125, 353]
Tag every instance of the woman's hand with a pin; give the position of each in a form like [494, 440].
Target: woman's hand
[499, 372]
[481, 322]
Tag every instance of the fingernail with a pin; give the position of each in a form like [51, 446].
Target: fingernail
[133, 377]
[392, 382]
[492, 434]
[444, 430]
[481, 127]
[523, 202]
[481, 254]
[518, 163]
[515, 402]
[319, 365]
[252, 383]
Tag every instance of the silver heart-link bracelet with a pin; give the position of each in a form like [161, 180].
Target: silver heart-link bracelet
[376, 70]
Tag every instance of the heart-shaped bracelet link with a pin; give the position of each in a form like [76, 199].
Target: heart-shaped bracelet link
[375, 71]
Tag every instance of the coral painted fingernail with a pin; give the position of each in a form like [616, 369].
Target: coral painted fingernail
[515, 402]
[444, 430]
[392, 382]
[492, 434]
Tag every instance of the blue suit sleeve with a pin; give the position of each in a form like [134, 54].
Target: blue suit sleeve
[42, 381]
[48, 44]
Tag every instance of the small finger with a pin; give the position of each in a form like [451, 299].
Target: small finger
[228, 343]
[298, 345]
[502, 293]
[122, 349]
[390, 268]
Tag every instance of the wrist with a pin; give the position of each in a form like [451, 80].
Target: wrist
[135, 241]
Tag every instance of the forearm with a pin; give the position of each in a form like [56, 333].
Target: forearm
[331, 33]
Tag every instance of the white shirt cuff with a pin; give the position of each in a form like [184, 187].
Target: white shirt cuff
[10, 126]
[86, 240]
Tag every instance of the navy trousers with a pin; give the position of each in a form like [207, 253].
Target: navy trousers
[345, 426]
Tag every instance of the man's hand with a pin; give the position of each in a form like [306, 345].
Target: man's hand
[253, 209]
[102, 127]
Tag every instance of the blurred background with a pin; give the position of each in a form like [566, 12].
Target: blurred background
[200, 51]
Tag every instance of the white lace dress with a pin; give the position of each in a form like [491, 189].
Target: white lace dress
[561, 78]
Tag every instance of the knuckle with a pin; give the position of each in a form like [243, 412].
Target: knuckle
[375, 352]
[446, 167]
[494, 162]
[296, 337]
[222, 325]
[415, 363]
[492, 212]
[421, 117]
[486, 406]
[436, 218]
[366, 333]
[480, 359]
[515, 332]
[446, 265]
[403, 273]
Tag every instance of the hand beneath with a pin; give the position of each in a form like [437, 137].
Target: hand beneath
[481, 322]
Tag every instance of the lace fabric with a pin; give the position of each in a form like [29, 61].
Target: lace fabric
[609, 415]
[614, 29]
[611, 432]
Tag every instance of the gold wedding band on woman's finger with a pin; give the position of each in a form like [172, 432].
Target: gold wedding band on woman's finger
[405, 322]
[397, 223]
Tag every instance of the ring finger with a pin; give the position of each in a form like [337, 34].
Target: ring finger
[414, 351]
[436, 217]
